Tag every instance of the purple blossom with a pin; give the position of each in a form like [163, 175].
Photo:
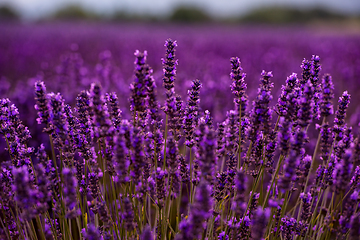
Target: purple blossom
[42, 104]
[83, 110]
[285, 99]
[259, 223]
[25, 194]
[200, 211]
[208, 158]
[128, 217]
[220, 136]
[220, 186]
[147, 234]
[306, 71]
[114, 109]
[160, 186]
[169, 64]
[239, 204]
[326, 105]
[288, 227]
[138, 87]
[306, 203]
[184, 169]
[191, 112]
[92, 233]
[314, 78]
[306, 103]
[232, 132]
[261, 113]
[289, 171]
[101, 123]
[238, 85]
[69, 190]
[340, 114]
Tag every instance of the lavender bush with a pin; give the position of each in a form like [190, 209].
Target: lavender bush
[170, 169]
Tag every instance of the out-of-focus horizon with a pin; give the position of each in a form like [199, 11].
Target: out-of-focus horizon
[256, 11]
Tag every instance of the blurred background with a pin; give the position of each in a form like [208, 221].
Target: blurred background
[255, 11]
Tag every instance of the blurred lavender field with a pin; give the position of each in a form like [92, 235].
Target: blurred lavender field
[69, 56]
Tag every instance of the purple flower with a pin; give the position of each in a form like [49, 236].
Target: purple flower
[200, 211]
[169, 65]
[289, 174]
[147, 234]
[191, 112]
[342, 172]
[120, 157]
[285, 99]
[326, 105]
[184, 169]
[306, 210]
[223, 236]
[152, 97]
[259, 223]
[208, 158]
[92, 233]
[94, 186]
[101, 122]
[261, 113]
[355, 227]
[306, 103]
[138, 87]
[232, 132]
[220, 190]
[355, 180]
[69, 190]
[314, 78]
[138, 157]
[220, 136]
[44, 189]
[288, 227]
[25, 194]
[239, 204]
[160, 186]
[302, 170]
[306, 71]
[42, 104]
[254, 201]
[83, 110]
[114, 109]
[231, 169]
[340, 114]
[238, 85]
[270, 151]
[128, 215]
[103, 212]
[325, 141]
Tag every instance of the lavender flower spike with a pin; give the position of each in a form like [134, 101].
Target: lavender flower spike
[42, 103]
[259, 222]
[102, 123]
[92, 233]
[147, 234]
[24, 192]
[169, 64]
[326, 106]
[340, 115]
[69, 189]
[238, 85]
[201, 210]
